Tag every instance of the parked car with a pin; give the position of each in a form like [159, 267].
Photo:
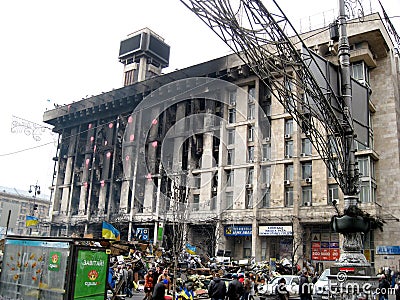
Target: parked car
[321, 287]
[267, 290]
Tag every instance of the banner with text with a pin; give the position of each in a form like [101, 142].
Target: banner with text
[275, 230]
[238, 230]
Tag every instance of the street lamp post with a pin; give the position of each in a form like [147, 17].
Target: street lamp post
[36, 191]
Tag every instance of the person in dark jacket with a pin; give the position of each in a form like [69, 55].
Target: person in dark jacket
[384, 286]
[159, 290]
[305, 287]
[397, 289]
[217, 288]
[235, 289]
[281, 290]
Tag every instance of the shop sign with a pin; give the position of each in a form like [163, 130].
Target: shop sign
[388, 250]
[142, 234]
[91, 272]
[275, 231]
[238, 230]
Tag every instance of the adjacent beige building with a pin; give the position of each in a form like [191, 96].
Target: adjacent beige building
[15, 205]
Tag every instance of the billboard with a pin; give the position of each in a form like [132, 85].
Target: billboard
[91, 275]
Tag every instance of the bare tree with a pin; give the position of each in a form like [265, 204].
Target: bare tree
[178, 216]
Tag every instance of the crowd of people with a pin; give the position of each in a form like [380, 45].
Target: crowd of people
[222, 284]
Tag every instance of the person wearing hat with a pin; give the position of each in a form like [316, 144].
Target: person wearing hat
[159, 290]
[235, 289]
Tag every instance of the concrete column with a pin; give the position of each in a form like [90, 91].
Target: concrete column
[142, 69]
[68, 172]
[107, 159]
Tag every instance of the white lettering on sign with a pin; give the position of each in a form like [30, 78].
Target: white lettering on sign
[275, 230]
[98, 263]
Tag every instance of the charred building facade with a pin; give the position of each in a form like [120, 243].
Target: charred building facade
[210, 146]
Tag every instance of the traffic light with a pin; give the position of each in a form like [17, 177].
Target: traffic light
[35, 206]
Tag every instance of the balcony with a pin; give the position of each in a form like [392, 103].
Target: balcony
[363, 54]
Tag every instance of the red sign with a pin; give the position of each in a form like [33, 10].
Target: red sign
[325, 254]
[315, 245]
[335, 254]
[326, 251]
[346, 269]
[316, 254]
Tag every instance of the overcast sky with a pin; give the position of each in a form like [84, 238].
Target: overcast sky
[56, 52]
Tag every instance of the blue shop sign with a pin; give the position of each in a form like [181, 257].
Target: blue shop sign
[238, 230]
[387, 249]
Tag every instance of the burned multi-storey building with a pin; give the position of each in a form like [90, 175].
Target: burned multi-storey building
[211, 147]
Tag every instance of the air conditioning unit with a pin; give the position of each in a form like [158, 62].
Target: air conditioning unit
[307, 203]
[288, 136]
[249, 186]
[309, 180]
[287, 182]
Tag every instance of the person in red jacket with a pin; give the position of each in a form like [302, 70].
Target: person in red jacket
[148, 285]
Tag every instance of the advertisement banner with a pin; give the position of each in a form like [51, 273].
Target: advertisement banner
[91, 275]
[55, 259]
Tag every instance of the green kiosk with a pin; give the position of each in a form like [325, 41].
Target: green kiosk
[54, 268]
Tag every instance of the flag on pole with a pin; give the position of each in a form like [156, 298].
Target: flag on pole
[31, 221]
[190, 249]
[109, 232]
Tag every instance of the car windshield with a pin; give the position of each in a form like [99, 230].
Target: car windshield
[324, 275]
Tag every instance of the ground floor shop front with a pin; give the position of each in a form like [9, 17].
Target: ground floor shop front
[300, 243]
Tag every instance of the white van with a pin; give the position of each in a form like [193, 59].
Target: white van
[321, 287]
